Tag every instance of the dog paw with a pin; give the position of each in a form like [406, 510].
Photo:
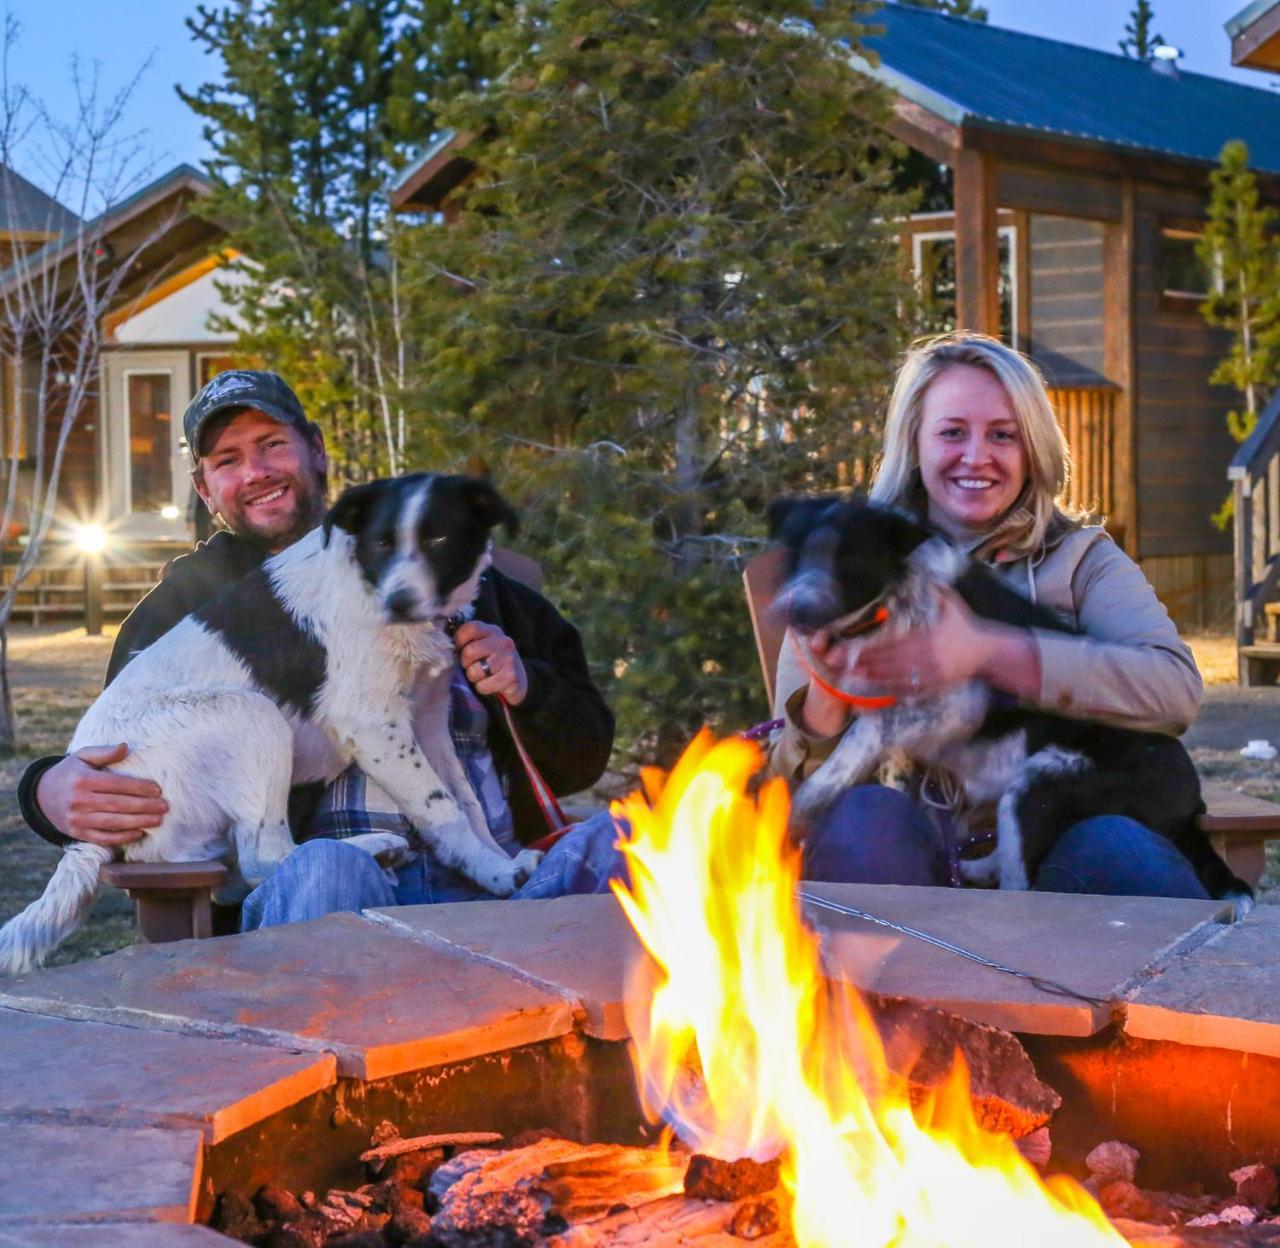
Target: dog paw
[525, 863]
[1243, 903]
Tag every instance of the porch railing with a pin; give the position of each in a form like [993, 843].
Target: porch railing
[1255, 479]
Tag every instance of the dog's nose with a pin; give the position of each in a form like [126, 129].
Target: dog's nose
[810, 602]
[400, 604]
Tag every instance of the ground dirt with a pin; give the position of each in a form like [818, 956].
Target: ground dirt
[56, 671]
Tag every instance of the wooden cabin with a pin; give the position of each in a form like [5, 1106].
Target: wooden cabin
[125, 466]
[1078, 182]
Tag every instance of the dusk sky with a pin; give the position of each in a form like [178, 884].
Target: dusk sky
[120, 38]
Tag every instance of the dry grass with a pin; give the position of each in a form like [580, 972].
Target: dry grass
[55, 674]
[1215, 656]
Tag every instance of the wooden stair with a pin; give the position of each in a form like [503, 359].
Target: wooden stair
[1255, 480]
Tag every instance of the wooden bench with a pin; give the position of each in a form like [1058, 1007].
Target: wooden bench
[1239, 826]
[173, 899]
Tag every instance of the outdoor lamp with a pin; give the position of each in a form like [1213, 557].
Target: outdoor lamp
[169, 512]
[90, 539]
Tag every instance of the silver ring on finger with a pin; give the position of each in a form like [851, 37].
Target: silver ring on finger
[485, 668]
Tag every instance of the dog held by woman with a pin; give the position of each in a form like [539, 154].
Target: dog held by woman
[330, 634]
[859, 570]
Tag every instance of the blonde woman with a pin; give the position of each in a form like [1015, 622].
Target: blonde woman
[972, 447]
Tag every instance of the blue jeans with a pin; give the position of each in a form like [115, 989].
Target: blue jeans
[329, 876]
[876, 835]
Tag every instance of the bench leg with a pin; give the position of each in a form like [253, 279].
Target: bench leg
[165, 915]
[1248, 859]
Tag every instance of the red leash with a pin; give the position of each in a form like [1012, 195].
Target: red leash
[547, 803]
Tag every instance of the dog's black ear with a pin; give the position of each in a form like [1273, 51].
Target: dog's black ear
[791, 517]
[903, 532]
[490, 506]
[351, 508]
[778, 511]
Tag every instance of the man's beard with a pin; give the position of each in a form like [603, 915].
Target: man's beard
[308, 511]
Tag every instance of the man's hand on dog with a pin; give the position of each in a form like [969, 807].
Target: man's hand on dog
[88, 803]
[489, 658]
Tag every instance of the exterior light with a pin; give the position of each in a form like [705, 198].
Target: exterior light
[170, 512]
[91, 539]
[1166, 52]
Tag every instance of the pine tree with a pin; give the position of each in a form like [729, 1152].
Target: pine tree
[957, 8]
[1239, 248]
[1139, 42]
[672, 290]
[317, 102]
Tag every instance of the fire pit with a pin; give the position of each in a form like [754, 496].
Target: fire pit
[271, 1059]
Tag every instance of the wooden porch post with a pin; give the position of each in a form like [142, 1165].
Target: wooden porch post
[977, 243]
[1118, 363]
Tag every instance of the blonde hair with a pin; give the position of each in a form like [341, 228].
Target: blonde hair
[1022, 530]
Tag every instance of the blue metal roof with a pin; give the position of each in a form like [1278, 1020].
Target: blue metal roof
[964, 70]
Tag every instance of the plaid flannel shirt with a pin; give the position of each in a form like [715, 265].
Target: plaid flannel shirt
[353, 803]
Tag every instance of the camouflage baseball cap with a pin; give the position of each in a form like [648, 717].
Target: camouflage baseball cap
[241, 388]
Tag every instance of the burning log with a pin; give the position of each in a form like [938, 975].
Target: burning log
[709, 1178]
[546, 1188]
[428, 1143]
[921, 1044]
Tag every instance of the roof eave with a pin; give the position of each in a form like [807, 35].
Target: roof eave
[181, 178]
[1255, 36]
[936, 103]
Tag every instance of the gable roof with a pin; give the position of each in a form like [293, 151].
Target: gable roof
[973, 74]
[26, 209]
[181, 180]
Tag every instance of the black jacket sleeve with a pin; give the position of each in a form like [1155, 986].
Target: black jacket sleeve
[563, 721]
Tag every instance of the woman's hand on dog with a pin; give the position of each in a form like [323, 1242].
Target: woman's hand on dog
[88, 803]
[957, 647]
[479, 644]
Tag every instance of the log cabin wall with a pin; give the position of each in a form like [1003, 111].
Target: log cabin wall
[1183, 447]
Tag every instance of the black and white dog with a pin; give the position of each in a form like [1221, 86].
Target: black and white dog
[857, 569]
[331, 634]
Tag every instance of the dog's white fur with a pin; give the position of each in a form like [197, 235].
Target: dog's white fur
[223, 752]
[936, 729]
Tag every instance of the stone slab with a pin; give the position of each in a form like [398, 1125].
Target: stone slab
[113, 1235]
[580, 947]
[382, 1002]
[58, 1173]
[1097, 946]
[59, 1070]
[1223, 994]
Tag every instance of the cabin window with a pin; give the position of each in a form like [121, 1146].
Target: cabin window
[1185, 279]
[209, 366]
[149, 413]
[934, 264]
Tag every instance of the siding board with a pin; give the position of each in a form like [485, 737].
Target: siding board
[1183, 444]
[1066, 299]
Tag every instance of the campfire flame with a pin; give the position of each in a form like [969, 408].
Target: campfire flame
[747, 1050]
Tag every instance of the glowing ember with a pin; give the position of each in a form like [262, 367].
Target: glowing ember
[747, 1051]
